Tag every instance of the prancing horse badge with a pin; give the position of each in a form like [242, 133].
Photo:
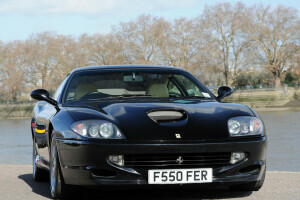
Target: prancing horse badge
[178, 136]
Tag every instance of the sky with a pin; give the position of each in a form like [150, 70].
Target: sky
[21, 18]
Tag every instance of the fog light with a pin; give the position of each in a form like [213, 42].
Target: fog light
[237, 157]
[117, 159]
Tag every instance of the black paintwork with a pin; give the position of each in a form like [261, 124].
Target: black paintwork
[203, 130]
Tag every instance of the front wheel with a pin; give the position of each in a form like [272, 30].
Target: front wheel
[58, 189]
[38, 174]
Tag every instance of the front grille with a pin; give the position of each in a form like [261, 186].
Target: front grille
[173, 161]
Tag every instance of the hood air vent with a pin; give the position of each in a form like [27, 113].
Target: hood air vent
[161, 116]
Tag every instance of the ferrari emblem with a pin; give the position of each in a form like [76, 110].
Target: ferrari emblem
[179, 160]
[178, 136]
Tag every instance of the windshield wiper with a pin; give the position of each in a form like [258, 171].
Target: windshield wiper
[128, 95]
[195, 97]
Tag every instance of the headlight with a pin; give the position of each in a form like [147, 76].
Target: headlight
[245, 126]
[97, 129]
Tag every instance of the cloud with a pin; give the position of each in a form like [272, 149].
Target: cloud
[90, 7]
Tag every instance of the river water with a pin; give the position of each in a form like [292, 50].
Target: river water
[283, 130]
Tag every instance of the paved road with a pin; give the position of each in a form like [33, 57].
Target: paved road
[16, 183]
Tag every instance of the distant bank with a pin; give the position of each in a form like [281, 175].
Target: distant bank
[16, 110]
[259, 99]
[288, 98]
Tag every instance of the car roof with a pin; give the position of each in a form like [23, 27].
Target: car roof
[125, 67]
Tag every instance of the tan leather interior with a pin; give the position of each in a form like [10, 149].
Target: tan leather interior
[158, 90]
[84, 89]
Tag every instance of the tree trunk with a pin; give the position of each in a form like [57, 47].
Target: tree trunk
[228, 81]
[277, 82]
[226, 78]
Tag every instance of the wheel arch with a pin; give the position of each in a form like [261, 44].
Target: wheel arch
[31, 128]
[50, 130]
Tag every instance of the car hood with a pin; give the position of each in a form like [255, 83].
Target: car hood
[202, 120]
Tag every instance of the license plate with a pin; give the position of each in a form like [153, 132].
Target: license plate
[180, 176]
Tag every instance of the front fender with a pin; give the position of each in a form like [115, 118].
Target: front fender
[61, 125]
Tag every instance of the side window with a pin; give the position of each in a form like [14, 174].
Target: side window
[59, 90]
[189, 86]
[173, 89]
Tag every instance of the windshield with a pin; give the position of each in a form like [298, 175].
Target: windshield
[91, 86]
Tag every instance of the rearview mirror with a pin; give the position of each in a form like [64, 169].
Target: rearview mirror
[43, 95]
[134, 78]
[224, 91]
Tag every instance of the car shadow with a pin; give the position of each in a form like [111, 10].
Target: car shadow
[166, 193]
[42, 188]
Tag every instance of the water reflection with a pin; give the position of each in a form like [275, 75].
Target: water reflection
[15, 141]
[283, 130]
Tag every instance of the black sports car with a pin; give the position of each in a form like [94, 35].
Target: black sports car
[144, 125]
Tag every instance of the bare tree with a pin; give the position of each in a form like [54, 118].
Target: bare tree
[144, 44]
[179, 42]
[276, 34]
[13, 70]
[137, 40]
[83, 51]
[104, 50]
[224, 33]
[43, 59]
[66, 57]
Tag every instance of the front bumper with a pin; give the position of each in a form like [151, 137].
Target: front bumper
[82, 161]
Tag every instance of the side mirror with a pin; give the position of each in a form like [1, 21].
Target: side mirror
[224, 91]
[43, 95]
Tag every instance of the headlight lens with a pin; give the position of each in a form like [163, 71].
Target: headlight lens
[106, 130]
[97, 129]
[245, 126]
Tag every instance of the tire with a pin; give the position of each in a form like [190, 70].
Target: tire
[250, 186]
[58, 189]
[38, 174]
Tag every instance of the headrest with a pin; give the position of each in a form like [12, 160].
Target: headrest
[158, 90]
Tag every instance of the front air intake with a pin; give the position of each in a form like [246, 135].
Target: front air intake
[177, 160]
[161, 116]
